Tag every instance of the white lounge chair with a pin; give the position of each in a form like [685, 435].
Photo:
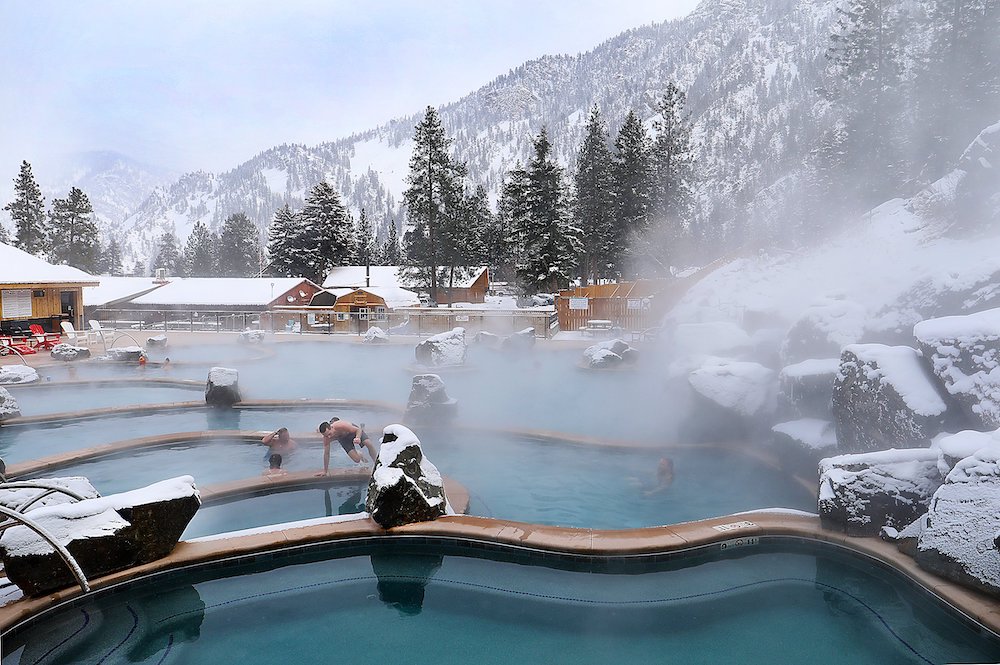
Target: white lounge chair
[97, 331]
[73, 335]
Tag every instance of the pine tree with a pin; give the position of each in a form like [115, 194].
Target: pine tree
[672, 181]
[391, 254]
[73, 237]
[325, 236]
[168, 255]
[551, 242]
[111, 259]
[283, 237]
[199, 252]
[239, 247]
[4, 236]
[27, 211]
[367, 248]
[434, 200]
[633, 189]
[594, 211]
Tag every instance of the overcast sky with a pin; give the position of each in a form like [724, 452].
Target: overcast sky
[192, 84]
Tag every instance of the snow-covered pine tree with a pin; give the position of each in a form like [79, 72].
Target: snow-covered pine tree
[633, 189]
[4, 236]
[73, 237]
[507, 242]
[199, 252]
[111, 259]
[672, 164]
[551, 242]
[27, 211]
[594, 207]
[168, 255]
[239, 247]
[325, 235]
[367, 248]
[434, 200]
[391, 254]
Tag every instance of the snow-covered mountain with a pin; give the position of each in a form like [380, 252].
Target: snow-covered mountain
[749, 67]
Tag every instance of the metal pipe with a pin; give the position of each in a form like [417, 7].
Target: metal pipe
[56, 545]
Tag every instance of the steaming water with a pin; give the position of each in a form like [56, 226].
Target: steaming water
[39, 401]
[778, 606]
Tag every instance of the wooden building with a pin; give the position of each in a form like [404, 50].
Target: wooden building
[631, 306]
[349, 310]
[35, 291]
[470, 283]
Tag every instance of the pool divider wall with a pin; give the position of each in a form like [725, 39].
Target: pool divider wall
[185, 384]
[743, 531]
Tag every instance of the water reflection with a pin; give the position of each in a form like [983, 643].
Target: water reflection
[402, 578]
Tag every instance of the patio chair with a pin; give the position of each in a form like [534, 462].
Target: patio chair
[42, 339]
[73, 335]
[10, 345]
[100, 332]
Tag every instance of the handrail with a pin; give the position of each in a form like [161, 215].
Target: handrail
[20, 355]
[56, 545]
[120, 335]
[50, 488]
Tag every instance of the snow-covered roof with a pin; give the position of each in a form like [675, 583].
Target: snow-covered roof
[223, 291]
[355, 277]
[394, 296]
[19, 267]
[118, 289]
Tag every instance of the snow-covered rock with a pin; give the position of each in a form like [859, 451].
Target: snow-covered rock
[375, 335]
[405, 487]
[15, 374]
[443, 350]
[609, 353]
[429, 402]
[806, 388]
[252, 336]
[222, 387]
[823, 330]
[964, 353]
[859, 494]
[9, 408]
[884, 397]
[808, 433]
[963, 521]
[953, 448]
[156, 342]
[103, 534]
[68, 352]
[522, 340]
[744, 388]
[15, 497]
[487, 339]
[124, 354]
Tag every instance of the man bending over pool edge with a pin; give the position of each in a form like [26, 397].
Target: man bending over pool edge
[350, 437]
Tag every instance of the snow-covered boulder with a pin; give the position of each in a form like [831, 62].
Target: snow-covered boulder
[963, 521]
[9, 408]
[15, 374]
[103, 534]
[124, 354]
[487, 339]
[964, 353]
[906, 538]
[609, 353]
[801, 443]
[405, 487]
[156, 342]
[429, 402]
[823, 330]
[222, 387]
[805, 388]
[860, 494]
[252, 336]
[443, 350]
[884, 397]
[743, 388]
[522, 340]
[375, 335]
[16, 497]
[953, 448]
[68, 352]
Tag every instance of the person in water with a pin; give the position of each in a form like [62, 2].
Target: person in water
[664, 476]
[274, 466]
[350, 437]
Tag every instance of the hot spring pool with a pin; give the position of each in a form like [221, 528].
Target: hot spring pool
[56, 399]
[777, 602]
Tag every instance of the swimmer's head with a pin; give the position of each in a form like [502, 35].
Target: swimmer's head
[323, 426]
[274, 461]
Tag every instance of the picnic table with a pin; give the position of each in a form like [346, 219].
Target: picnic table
[597, 327]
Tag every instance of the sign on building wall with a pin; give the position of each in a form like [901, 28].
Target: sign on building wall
[634, 304]
[16, 303]
[578, 303]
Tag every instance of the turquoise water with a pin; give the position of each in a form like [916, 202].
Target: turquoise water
[40, 401]
[247, 512]
[394, 605]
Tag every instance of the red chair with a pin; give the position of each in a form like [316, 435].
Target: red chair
[10, 345]
[42, 339]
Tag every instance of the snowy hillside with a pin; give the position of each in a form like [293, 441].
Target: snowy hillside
[749, 68]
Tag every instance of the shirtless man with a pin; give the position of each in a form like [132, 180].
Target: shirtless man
[349, 436]
[278, 441]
